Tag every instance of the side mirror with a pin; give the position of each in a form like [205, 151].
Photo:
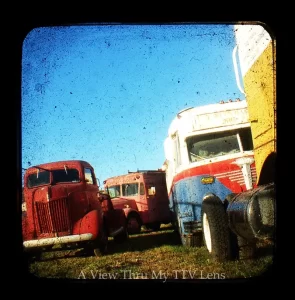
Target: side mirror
[98, 182]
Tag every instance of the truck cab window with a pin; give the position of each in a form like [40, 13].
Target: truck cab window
[141, 188]
[36, 179]
[246, 139]
[88, 176]
[202, 147]
[114, 191]
[68, 175]
[130, 189]
[176, 150]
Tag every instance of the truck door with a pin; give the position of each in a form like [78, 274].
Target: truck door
[91, 189]
[142, 204]
[152, 202]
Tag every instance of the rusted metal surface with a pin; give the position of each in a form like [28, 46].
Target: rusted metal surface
[141, 192]
[63, 206]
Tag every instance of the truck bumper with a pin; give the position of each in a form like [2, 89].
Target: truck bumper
[57, 240]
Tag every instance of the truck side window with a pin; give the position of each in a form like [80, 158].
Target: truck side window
[246, 138]
[141, 189]
[88, 176]
[176, 149]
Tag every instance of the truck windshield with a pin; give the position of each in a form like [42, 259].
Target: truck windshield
[218, 144]
[68, 175]
[43, 177]
[130, 189]
[38, 178]
[114, 191]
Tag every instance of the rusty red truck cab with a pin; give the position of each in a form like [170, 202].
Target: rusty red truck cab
[63, 206]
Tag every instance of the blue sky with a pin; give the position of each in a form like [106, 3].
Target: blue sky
[108, 93]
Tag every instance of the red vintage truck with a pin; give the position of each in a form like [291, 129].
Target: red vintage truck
[143, 197]
[63, 206]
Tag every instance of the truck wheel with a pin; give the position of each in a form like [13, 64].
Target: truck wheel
[121, 237]
[100, 245]
[215, 229]
[133, 224]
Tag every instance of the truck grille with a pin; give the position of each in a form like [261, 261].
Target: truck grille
[237, 176]
[53, 216]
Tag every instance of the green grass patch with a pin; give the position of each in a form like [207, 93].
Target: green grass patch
[149, 255]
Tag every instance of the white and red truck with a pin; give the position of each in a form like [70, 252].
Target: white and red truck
[220, 158]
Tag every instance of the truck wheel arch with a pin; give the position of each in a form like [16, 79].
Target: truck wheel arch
[268, 170]
[134, 222]
[89, 223]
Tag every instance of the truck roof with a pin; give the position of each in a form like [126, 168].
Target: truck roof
[185, 118]
[213, 107]
[132, 176]
[60, 164]
[145, 171]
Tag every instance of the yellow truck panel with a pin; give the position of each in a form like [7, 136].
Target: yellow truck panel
[257, 57]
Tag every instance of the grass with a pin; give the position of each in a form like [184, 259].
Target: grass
[149, 255]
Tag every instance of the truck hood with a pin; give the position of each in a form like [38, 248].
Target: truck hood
[122, 203]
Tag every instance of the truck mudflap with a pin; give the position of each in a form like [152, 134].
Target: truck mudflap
[251, 214]
[57, 240]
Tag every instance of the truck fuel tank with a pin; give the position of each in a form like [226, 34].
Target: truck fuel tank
[251, 213]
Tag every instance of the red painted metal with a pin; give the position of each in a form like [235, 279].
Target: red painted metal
[153, 208]
[62, 202]
[227, 172]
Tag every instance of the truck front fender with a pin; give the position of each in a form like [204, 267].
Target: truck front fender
[90, 223]
[26, 232]
[128, 210]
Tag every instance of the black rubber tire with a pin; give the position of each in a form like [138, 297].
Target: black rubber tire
[228, 199]
[132, 219]
[216, 232]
